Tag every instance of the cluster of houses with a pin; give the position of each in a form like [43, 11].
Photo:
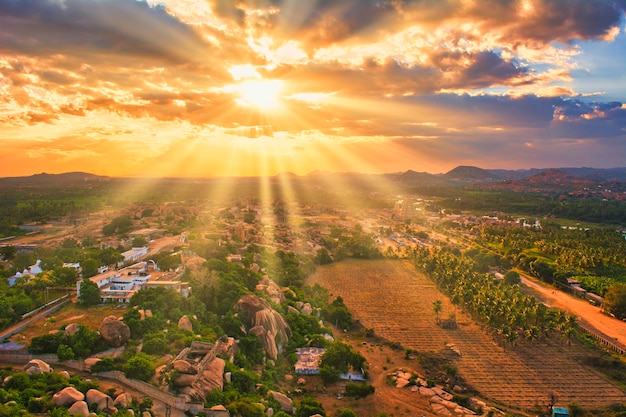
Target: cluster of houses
[119, 285]
[574, 286]
[27, 272]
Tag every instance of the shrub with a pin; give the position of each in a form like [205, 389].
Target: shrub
[65, 353]
[139, 367]
[106, 364]
[346, 412]
[156, 346]
[359, 390]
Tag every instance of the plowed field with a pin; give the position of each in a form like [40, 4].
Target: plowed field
[390, 297]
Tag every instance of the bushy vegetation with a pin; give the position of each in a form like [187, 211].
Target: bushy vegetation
[81, 344]
[532, 204]
[29, 395]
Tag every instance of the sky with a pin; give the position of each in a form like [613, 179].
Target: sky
[204, 88]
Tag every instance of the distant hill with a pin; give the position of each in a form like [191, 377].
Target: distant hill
[470, 175]
[535, 179]
[597, 174]
[51, 180]
[551, 179]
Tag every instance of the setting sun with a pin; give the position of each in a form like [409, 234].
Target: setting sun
[262, 94]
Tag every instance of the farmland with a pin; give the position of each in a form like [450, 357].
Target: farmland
[395, 301]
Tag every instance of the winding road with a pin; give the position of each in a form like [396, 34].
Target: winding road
[588, 314]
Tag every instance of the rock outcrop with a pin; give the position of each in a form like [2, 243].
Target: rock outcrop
[71, 329]
[37, 366]
[198, 386]
[89, 362]
[184, 367]
[286, 404]
[123, 400]
[441, 402]
[115, 332]
[79, 408]
[264, 322]
[66, 397]
[306, 309]
[271, 289]
[184, 323]
[102, 401]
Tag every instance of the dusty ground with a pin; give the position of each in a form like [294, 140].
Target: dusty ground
[396, 301]
[68, 314]
[382, 360]
[591, 314]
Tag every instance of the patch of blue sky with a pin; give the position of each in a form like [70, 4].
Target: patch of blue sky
[601, 70]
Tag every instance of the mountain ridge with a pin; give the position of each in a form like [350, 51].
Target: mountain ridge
[462, 175]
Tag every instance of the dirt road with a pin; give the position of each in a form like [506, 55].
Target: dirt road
[163, 243]
[592, 315]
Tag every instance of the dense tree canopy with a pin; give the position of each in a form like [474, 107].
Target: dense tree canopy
[615, 300]
[89, 293]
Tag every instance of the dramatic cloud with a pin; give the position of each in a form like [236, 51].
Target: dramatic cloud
[374, 84]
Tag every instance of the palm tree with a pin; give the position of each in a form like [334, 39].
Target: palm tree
[568, 328]
[532, 333]
[437, 307]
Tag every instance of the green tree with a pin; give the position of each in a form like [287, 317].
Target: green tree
[23, 260]
[119, 225]
[338, 314]
[322, 257]
[437, 307]
[249, 217]
[512, 278]
[342, 357]
[245, 408]
[615, 300]
[70, 243]
[155, 346]
[8, 252]
[89, 267]
[329, 374]
[139, 367]
[65, 276]
[89, 293]
[65, 353]
[346, 412]
[359, 390]
[110, 256]
[139, 241]
[309, 406]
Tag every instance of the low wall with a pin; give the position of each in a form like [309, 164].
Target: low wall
[604, 340]
[174, 401]
[24, 323]
[149, 390]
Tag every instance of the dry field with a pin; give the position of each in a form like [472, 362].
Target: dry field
[68, 314]
[390, 297]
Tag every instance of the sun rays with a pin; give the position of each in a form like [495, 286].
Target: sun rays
[264, 95]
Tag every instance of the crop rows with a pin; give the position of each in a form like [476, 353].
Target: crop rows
[396, 301]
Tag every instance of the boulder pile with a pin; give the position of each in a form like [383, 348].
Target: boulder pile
[261, 320]
[114, 331]
[441, 402]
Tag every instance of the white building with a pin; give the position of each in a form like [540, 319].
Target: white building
[120, 285]
[135, 254]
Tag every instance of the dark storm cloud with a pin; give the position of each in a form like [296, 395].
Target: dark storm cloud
[321, 21]
[576, 119]
[445, 70]
[327, 21]
[546, 116]
[57, 77]
[488, 68]
[125, 27]
[567, 20]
